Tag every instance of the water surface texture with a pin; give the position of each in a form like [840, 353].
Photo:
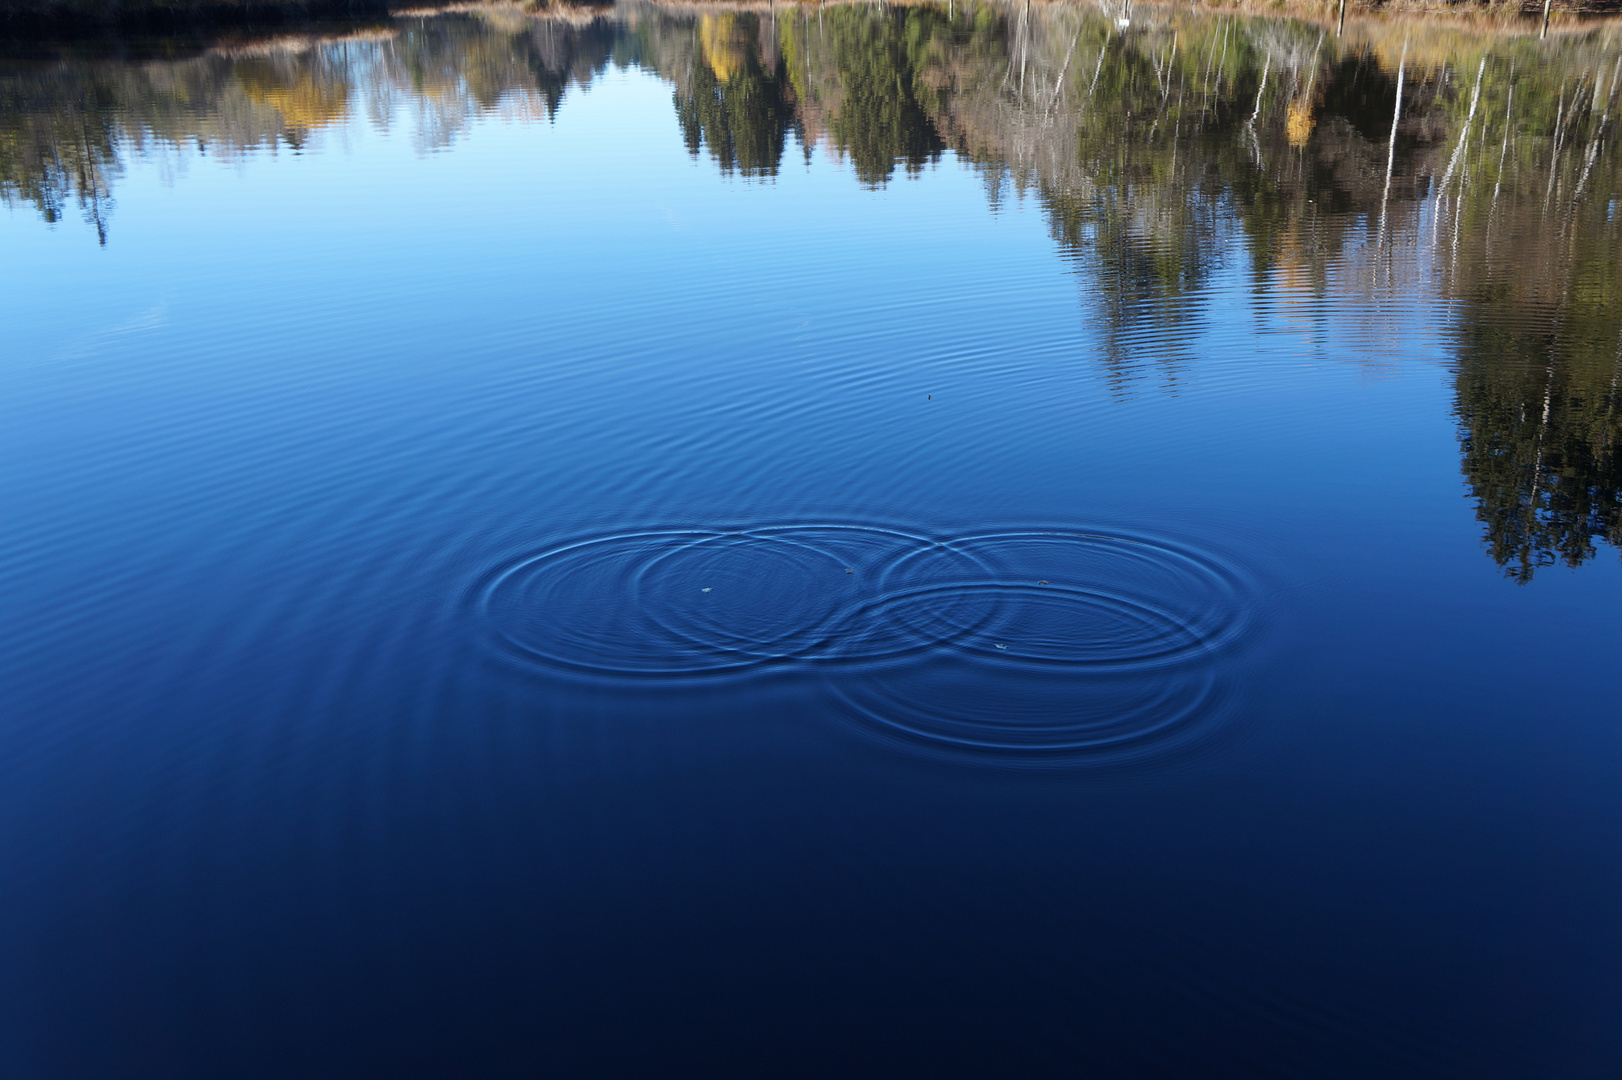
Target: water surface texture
[813, 541]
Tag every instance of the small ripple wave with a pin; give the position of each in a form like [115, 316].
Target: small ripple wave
[1060, 645]
[973, 708]
[1070, 598]
[697, 601]
[1055, 643]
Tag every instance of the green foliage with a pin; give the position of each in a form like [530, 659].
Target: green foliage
[732, 103]
[862, 66]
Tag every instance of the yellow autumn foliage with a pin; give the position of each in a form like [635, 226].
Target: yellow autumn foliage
[723, 45]
[1298, 122]
[303, 104]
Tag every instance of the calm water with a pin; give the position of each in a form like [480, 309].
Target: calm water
[813, 541]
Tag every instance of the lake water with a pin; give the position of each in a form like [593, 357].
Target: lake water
[813, 541]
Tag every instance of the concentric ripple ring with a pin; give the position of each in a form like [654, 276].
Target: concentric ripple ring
[1044, 641]
[701, 601]
[1069, 645]
[967, 708]
[1075, 599]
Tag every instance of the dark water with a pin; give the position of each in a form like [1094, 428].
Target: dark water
[813, 541]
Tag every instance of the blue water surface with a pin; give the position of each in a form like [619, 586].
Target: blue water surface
[529, 600]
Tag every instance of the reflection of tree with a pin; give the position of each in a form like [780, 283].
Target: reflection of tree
[1161, 145]
[66, 128]
[731, 102]
[1541, 449]
[1525, 241]
[860, 69]
[1539, 380]
[452, 68]
[306, 100]
[53, 157]
[882, 122]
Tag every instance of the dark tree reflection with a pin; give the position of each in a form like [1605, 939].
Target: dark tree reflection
[734, 98]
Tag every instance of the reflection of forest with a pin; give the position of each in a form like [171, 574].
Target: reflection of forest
[1157, 146]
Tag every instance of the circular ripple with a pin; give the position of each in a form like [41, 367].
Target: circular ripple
[1072, 645]
[576, 607]
[676, 602]
[1093, 600]
[742, 595]
[965, 706]
[1037, 604]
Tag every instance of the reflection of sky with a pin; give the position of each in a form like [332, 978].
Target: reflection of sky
[618, 254]
[654, 308]
[597, 244]
[262, 442]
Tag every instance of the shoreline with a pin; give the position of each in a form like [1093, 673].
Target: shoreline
[72, 17]
[23, 21]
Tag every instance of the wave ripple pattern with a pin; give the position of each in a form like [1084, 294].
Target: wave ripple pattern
[1053, 644]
